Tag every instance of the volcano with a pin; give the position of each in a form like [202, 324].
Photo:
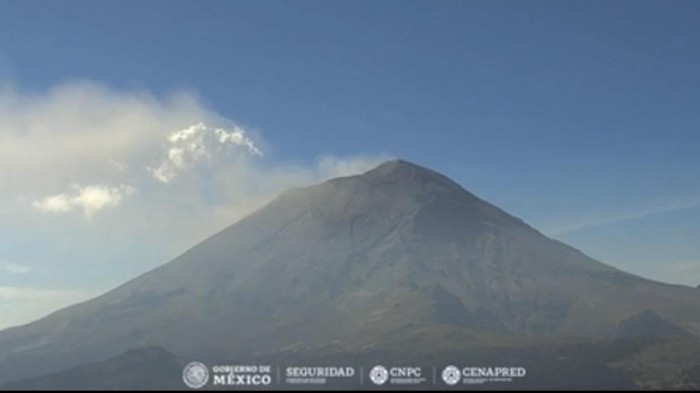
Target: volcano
[397, 257]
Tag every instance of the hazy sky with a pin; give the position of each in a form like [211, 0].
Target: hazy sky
[131, 130]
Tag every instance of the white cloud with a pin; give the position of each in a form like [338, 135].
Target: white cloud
[85, 147]
[236, 137]
[162, 173]
[75, 133]
[200, 143]
[195, 171]
[60, 203]
[90, 199]
[14, 268]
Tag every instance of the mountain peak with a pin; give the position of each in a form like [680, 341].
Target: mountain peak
[411, 175]
[397, 163]
[400, 188]
[399, 166]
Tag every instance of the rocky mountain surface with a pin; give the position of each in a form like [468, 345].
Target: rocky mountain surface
[398, 257]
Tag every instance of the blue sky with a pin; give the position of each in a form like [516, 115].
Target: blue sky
[583, 118]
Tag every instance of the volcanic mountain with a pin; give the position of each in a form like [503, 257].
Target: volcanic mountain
[394, 257]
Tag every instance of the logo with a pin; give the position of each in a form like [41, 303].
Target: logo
[451, 375]
[317, 375]
[242, 375]
[379, 375]
[482, 375]
[195, 375]
[406, 376]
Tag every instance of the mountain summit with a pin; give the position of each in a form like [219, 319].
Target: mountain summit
[399, 254]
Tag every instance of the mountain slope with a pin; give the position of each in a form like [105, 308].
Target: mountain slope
[395, 253]
[150, 368]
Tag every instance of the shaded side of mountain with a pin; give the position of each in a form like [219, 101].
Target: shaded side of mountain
[669, 363]
[648, 324]
[450, 310]
[137, 369]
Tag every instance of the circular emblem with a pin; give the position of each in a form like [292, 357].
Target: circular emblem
[451, 375]
[379, 375]
[195, 375]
